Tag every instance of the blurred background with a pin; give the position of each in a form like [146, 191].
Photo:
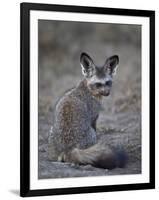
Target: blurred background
[60, 46]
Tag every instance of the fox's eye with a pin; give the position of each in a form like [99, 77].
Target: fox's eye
[98, 85]
[108, 83]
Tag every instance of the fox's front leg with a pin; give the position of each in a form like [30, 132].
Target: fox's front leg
[94, 123]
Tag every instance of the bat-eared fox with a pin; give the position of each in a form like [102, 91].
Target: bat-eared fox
[73, 137]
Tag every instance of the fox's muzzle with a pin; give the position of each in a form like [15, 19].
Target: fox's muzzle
[105, 92]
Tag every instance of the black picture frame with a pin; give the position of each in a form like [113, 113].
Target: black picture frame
[25, 9]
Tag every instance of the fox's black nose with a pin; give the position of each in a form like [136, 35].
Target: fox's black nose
[108, 83]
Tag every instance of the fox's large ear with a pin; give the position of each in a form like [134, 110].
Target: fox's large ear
[112, 64]
[87, 65]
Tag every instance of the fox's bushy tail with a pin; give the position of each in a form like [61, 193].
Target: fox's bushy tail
[98, 156]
